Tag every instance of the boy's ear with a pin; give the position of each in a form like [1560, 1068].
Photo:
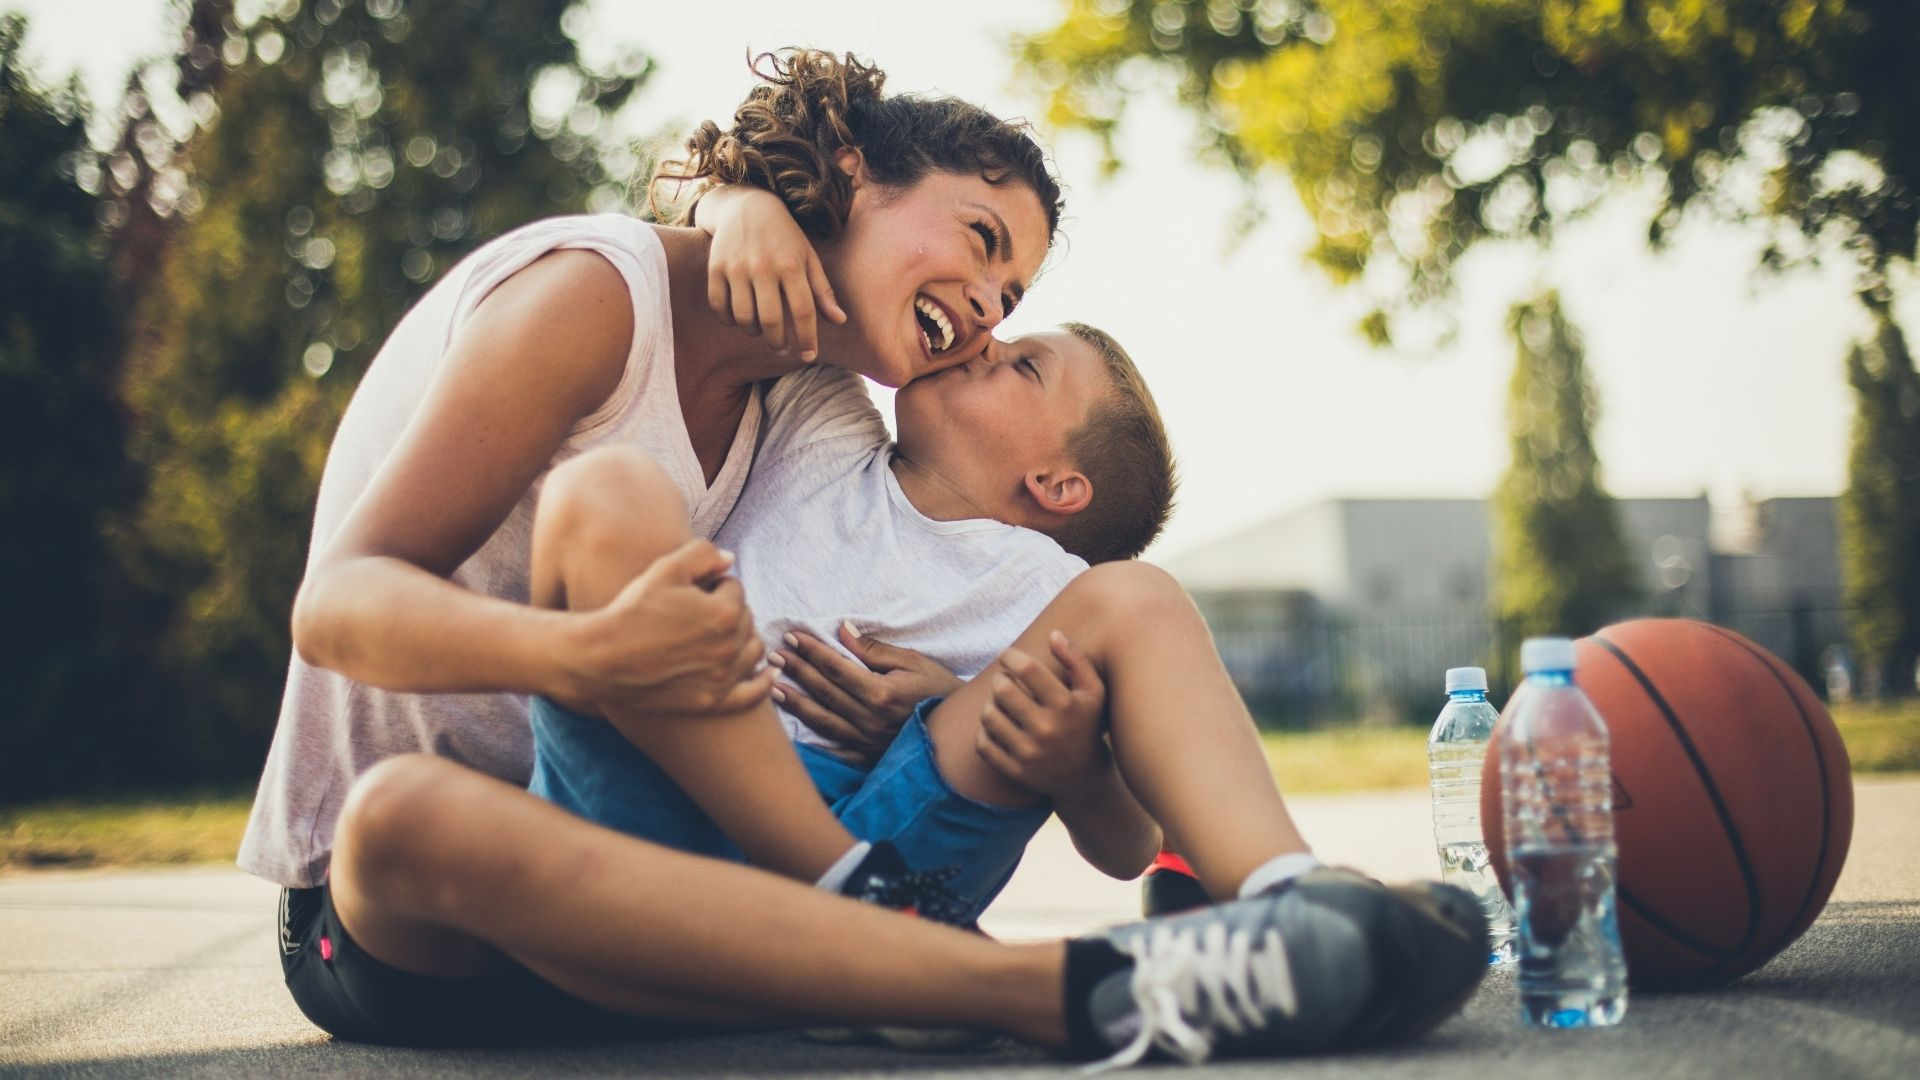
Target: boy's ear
[1060, 491]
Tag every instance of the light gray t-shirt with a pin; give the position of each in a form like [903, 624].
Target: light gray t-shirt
[332, 728]
[824, 533]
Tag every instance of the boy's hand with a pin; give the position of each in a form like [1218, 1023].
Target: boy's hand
[861, 705]
[1043, 733]
[762, 273]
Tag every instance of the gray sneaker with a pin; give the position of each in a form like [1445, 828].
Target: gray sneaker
[1329, 960]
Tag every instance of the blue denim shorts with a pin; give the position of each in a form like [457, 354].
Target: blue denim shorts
[583, 764]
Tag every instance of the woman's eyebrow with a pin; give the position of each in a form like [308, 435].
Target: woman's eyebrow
[1000, 226]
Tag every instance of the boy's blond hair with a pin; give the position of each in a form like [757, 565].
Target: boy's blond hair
[1123, 450]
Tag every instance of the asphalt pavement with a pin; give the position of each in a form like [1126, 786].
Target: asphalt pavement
[173, 972]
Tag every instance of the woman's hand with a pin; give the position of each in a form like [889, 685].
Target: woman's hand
[677, 641]
[762, 273]
[860, 707]
[1044, 733]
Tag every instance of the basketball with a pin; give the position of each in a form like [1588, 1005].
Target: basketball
[1732, 798]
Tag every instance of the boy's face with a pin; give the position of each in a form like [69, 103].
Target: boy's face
[992, 423]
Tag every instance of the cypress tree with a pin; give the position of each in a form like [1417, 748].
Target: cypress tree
[1880, 509]
[1560, 560]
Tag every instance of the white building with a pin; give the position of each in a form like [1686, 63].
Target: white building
[1357, 606]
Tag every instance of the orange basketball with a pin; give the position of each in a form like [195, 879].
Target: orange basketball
[1732, 798]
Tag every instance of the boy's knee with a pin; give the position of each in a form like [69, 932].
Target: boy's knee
[1131, 593]
[611, 502]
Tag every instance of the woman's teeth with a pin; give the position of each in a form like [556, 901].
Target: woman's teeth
[934, 325]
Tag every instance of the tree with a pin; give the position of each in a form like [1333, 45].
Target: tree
[1560, 562]
[1414, 128]
[68, 636]
[1880, 510]
[310, 171]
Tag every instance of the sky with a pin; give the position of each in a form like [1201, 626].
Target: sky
[1711, 377]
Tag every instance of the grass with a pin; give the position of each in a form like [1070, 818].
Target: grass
[1347, 759]
[188, 828]
[206, 827]
[1880, 738]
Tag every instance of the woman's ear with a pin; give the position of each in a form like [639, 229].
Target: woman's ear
[1061, 491]
[854, 164]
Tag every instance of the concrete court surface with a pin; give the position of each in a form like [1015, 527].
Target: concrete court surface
[173, 972]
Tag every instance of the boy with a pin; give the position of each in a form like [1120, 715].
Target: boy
[922, 543]
[1111, 708]
[951, 543]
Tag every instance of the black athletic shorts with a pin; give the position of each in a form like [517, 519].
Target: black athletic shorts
[353, 996]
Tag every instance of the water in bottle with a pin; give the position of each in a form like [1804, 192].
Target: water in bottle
[1556, 784]
[1456, 750]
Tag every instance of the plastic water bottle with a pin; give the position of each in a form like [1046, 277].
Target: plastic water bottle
[1456, 750]
[1557, 788]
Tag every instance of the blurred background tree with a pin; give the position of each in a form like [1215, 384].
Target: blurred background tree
[1414, 129]
[272, 199]
[1560, 558]
[1880, 511]
[69, 640]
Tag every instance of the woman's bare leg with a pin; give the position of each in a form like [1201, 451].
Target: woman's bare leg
[1181, 735]
[603, 518]
[438, 869]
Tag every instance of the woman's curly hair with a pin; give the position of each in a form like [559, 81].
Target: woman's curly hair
[812, 104]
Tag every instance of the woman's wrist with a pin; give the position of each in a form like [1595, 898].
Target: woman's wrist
[560, 644]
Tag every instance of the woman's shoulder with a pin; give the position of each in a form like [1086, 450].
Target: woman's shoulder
[614, 228]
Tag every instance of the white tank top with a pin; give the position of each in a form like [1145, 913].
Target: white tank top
[331, 728]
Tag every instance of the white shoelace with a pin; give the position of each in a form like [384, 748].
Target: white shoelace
[1189, 985]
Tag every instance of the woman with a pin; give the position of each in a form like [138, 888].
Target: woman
[543, 350]
[576, 334]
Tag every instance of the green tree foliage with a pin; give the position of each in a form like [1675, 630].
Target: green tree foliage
[1880, 510]
[68, 632]
[318, 165]
[1414, 128]
[1560, 560]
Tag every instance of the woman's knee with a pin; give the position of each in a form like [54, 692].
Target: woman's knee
[384, 841]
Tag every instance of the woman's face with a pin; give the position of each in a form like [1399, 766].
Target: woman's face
[926, 272]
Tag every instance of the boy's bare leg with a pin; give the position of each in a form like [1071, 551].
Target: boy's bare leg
[439, 870]
[1181, 735]
[603, 518]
